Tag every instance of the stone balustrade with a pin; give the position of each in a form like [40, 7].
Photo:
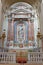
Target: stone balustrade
[36, 57]
[10, 57]
[6, 57]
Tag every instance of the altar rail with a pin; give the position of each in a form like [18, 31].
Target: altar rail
[34, 57]
[6, 57]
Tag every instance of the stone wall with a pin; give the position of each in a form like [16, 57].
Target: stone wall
[0, 15]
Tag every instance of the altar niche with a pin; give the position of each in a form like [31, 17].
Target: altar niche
[20, 32]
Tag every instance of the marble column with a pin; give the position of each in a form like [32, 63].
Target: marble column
[12, 30]
[31, 30]
[9, 30]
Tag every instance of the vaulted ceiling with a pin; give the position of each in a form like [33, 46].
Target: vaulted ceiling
[8, 3]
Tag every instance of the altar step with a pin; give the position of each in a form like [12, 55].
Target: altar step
[23, 64]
